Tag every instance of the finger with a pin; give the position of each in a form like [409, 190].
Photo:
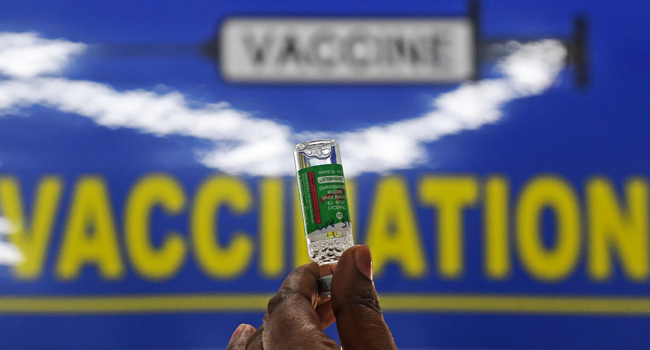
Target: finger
[240, 337]
[291, 321]
[325, 314]
[301, 282]
[354, 301]
[255, 341]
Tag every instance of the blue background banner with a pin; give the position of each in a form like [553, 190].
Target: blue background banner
[147, 202]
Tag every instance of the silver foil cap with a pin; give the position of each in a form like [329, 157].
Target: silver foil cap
[316, 152]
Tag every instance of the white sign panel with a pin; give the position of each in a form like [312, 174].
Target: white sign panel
[305, 50]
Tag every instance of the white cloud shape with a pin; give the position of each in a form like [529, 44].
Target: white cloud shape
[244, 144]
[27, 55]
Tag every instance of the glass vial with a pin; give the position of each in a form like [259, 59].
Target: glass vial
[324, 201]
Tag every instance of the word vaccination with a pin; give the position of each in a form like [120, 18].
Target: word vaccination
[606, 228]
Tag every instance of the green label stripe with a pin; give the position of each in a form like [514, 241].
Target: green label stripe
[324, 197]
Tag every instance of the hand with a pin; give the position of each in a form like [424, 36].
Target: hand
[296, 316]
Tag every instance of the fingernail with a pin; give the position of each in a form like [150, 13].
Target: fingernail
[363, 260]
[238, 331]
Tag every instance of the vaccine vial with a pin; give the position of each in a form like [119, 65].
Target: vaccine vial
[324, 201]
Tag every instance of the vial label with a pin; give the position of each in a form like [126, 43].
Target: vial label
[324, 199]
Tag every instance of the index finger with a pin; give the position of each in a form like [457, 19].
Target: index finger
[291, 321]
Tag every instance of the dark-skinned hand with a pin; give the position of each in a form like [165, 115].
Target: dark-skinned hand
[296, 316]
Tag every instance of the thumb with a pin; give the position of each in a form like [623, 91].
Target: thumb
[354, 301]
